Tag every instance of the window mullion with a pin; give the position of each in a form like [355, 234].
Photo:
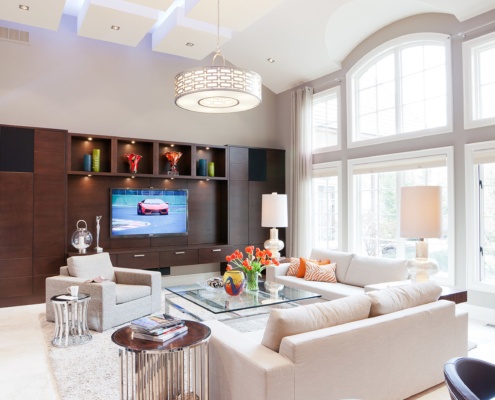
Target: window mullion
[481, 224]
[398, 92]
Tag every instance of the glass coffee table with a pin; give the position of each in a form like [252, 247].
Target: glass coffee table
[217, 301]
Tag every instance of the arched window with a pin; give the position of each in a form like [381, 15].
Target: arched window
[400, 90]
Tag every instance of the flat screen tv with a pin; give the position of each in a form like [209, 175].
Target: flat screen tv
[148, 212]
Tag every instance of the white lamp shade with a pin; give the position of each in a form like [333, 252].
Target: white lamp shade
[421, 212]
[274, 210]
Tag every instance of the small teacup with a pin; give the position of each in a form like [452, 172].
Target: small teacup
[73, 290]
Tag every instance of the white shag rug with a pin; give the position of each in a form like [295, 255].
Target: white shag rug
[92, 371]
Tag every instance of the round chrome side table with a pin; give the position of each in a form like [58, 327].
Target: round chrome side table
[71, 321]
[173, 370]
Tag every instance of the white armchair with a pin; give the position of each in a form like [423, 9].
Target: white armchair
[126, 294]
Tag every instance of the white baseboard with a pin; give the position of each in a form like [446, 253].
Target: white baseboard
[482, 314]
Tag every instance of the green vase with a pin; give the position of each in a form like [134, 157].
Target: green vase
[252, 281]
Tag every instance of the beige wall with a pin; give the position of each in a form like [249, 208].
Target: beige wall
[458, 138]
[61, 80]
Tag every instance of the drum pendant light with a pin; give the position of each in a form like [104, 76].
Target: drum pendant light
[217, 89]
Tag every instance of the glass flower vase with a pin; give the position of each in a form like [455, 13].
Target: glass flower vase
[251, 281]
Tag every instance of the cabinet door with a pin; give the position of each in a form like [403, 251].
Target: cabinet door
[178, 257]
[16, 215]
[238, 212]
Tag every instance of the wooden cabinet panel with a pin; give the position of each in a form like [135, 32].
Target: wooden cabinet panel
[50, 141]
[238, 155]
[239, 172]
[16, 287]
[214, 254]
[275, 169]
[49, 162]
[48, 266]
[139, 260]
[49, 215]
[208, 208]
[16, 214]
[239, 212]
[178, 257]
[16, 267]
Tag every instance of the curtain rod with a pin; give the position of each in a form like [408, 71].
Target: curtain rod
[339, 80]
[463, 34]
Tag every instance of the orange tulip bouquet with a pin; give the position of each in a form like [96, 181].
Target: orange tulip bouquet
[253, 265]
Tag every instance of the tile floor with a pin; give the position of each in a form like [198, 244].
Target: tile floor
[25, 374]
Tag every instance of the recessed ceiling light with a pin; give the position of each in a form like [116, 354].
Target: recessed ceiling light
[24, 7]
[115, 27]
[270, 60]
[189, 44]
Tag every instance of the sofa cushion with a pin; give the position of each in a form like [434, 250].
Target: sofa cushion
[126, 293]
[320, 273]
[365, 270]
[301, 272]
[293, 266]
[398, 298]
[338, 257]
[92, 266]
[292, 321]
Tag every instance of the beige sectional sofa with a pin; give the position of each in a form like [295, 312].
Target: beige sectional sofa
[345, 354]
[353, 273]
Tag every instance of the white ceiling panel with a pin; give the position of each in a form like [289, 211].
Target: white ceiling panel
[42, 14]
[161, 5]
[174, 35]
[236, 15]
[96, 20]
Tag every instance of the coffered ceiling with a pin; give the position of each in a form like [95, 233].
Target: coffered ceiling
[304, 39]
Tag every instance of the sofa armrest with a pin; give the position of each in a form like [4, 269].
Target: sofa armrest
[241, 368]
[128, 276]
[272, 271]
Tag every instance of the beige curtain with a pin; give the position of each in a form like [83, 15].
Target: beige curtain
[300, 158]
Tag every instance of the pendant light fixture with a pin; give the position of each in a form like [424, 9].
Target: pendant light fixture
[217, 89]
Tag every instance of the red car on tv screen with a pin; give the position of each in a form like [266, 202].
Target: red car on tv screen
[152, 206]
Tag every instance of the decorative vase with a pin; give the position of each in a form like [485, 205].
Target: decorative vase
[96, 160]
[252, 281]
[234, 282]
[173, 158]
[133, 162]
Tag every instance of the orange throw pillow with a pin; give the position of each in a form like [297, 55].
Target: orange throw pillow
[302, 266]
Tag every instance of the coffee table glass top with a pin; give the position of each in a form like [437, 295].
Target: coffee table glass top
[218, 301]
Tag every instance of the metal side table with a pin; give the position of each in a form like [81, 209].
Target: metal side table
[71, 322]
[176, 369]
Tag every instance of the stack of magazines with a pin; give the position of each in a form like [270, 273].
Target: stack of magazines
[158, 328]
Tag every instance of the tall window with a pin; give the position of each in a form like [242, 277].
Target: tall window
[480, 212]
[401, 89]
[326, 124]
[376, 184]
[479, 81]
[326, 200]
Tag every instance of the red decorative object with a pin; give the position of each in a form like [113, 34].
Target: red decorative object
[173, 158]
[133, 161]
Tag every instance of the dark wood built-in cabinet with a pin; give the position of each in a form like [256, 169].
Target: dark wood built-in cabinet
[32, 211]
[46, 190]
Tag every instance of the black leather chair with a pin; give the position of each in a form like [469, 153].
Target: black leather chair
[470, 379]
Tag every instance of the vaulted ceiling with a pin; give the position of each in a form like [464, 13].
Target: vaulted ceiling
[304, 40]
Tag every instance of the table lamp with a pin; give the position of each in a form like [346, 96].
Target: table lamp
[274, 215]
[420, 218]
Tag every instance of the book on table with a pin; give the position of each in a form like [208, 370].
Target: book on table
[171, 333]
[155, 322]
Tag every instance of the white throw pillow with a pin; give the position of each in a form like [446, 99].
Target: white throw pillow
[398, 298]
[292, 321]
[92, 266]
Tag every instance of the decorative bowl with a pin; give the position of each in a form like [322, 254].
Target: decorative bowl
[212, 284]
